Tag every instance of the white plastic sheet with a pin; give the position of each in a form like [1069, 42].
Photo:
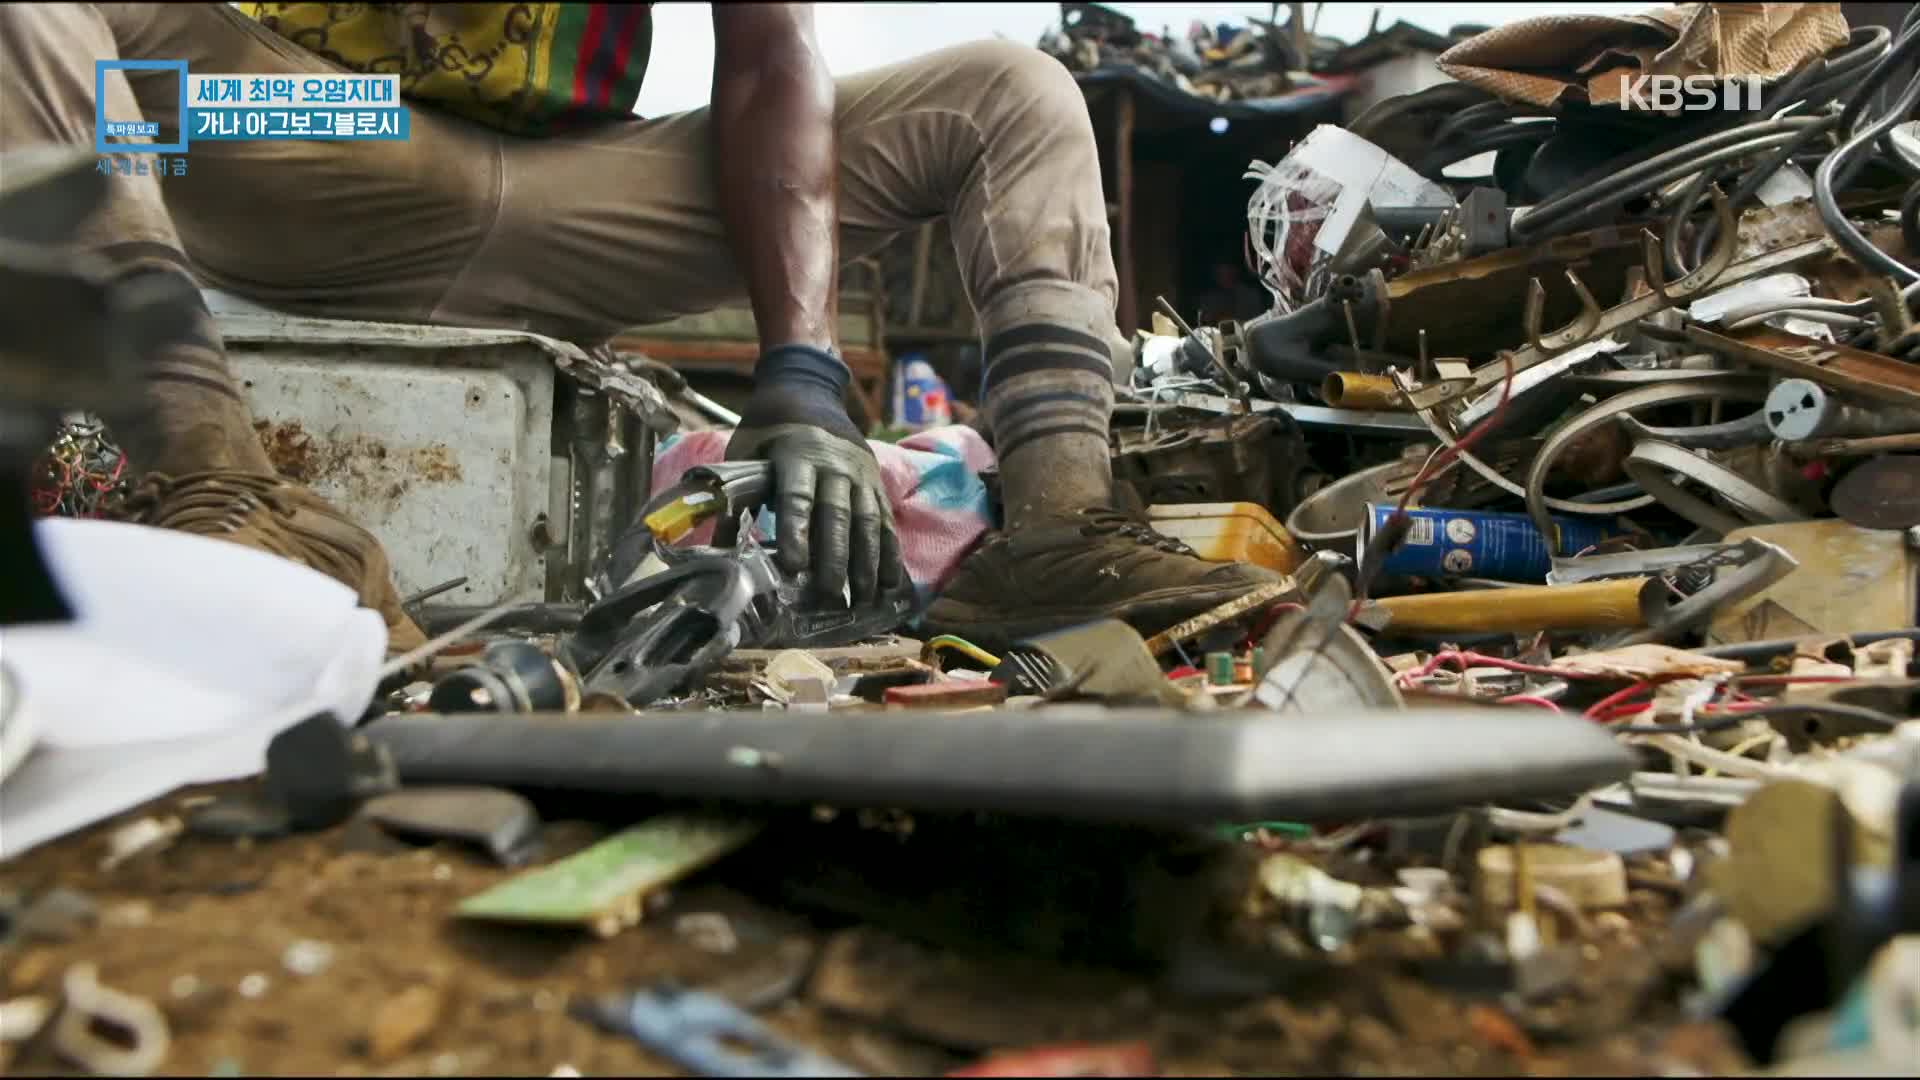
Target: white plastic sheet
[1308, 201]
[187, 656]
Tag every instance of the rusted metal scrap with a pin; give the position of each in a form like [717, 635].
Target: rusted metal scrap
[1843, 367]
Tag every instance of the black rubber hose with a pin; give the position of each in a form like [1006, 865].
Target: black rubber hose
[1811, 87]
[1910, 220]
[1722, 723]
[1447, 95]
[1884, 151]
[1865, 46]
[1750, 183]
[1683, 208]
[1838, 76]
[1653, 147]
[1863, 95]
[1597, 197]
[1603, 195]
[1434, 164]
[1486, 114]
[1833, 171]
[1753, 652]
[1838, 79]
[1573, 210]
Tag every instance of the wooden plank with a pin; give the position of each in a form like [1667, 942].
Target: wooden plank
[1128, 312]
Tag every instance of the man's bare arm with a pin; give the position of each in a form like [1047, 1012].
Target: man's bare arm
[775, 160]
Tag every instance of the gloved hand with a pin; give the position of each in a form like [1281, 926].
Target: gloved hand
[831, 508]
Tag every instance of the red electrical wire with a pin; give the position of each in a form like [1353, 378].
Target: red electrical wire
[1443, 459]
[1267, 620]
[1464, 660]
[1612, 706]
[1529, 699]
[1465, 442]
[1599, 709]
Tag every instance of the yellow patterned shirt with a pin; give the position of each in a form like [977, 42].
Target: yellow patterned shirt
[528, 69]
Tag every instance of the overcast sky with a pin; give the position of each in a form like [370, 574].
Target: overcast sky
[857, 36]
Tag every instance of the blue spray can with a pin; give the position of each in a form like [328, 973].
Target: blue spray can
[1473, 543]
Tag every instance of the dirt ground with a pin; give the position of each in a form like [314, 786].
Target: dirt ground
[203, 928]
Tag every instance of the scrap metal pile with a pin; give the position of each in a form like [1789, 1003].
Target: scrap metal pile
[1623, 418]
[1222, 63]
[1584, 708]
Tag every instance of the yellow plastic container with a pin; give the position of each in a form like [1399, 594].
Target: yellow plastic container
[1230, 532]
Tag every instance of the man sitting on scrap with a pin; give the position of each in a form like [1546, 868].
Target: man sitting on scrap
[527, 196]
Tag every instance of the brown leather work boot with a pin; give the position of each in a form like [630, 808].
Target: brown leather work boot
[1095, 564]
[285, 519]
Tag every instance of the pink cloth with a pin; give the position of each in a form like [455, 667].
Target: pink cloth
[932, 479]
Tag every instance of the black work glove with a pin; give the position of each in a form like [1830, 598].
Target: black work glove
[831, 507]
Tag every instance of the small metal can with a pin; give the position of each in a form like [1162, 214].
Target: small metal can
[1473, 543]
[1220, 669]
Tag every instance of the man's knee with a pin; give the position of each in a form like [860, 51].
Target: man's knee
[43, 30]
[1034, 83]
[47, 54]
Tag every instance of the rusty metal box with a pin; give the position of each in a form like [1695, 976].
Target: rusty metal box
[438, 440]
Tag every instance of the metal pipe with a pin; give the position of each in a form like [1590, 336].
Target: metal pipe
[1594, 605]
[1135, 765]
[1352, 390]
[1799, 409]
[1751, 652]
[533, 618]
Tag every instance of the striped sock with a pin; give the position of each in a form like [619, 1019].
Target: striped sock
[1049, 395]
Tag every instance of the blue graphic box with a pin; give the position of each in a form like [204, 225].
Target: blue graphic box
[100, 143]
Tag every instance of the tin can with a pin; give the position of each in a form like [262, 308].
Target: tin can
[920, 397]
[1473, 543]
[1220, 668]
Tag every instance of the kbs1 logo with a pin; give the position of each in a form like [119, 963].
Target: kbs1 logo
[1690, 93]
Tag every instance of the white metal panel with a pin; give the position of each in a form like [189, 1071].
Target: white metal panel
[441, 446]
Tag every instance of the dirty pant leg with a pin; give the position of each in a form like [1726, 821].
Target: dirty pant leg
[620, 227]
[187, 414]
[374, 230]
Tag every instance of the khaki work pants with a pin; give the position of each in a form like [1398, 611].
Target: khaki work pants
[577, 236]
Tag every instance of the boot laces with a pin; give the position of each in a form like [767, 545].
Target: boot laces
[1101, 522]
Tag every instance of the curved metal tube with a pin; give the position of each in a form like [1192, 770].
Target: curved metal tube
[1650, 462]
[1718, 388]
[1750, 430]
